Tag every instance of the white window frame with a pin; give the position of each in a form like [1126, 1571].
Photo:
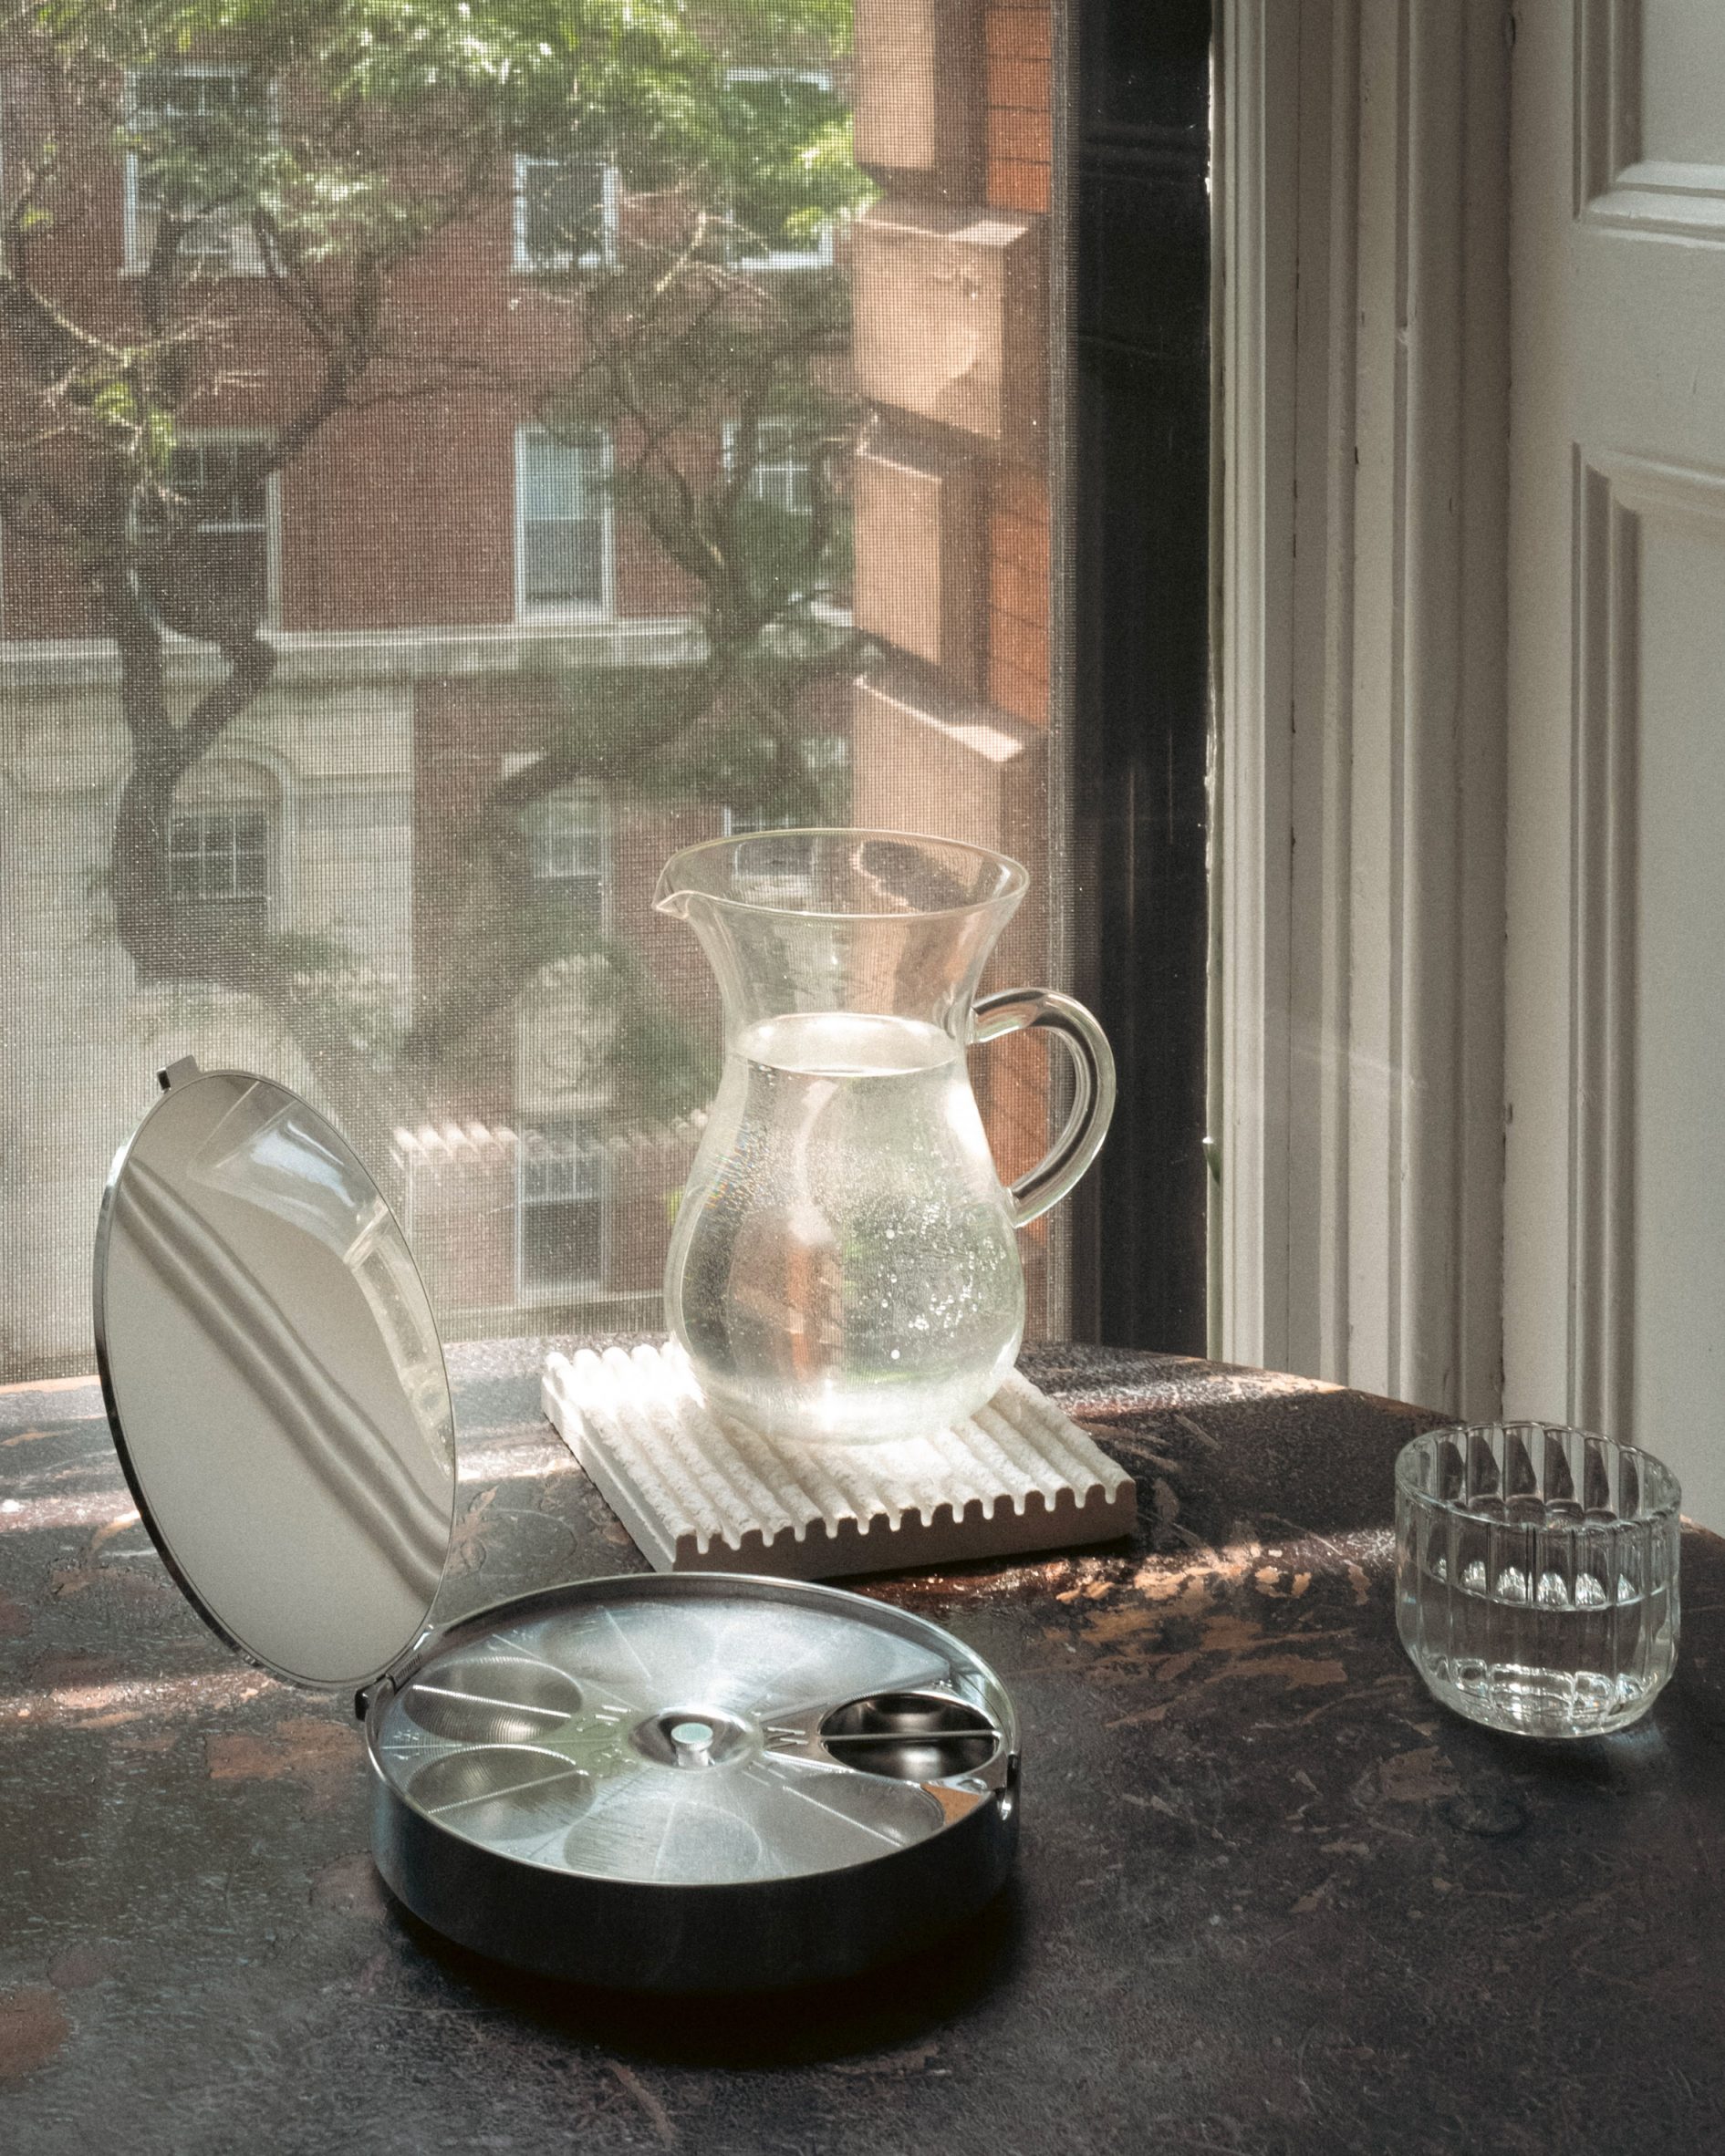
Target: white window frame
[244, 260]
[600, 257]
[542, 610]
[1358, 971]
[819, 256]
[530, 1297]
[196, 437]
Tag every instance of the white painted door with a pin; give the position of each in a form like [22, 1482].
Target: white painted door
[1615, 1191]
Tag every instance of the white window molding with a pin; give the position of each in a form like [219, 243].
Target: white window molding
[563, 485]
[229, 246]
[1362, 184]
[527, 174]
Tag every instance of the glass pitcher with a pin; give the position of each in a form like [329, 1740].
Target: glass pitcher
[845, 1264]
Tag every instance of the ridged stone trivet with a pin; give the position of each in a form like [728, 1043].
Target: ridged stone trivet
[702, 1493]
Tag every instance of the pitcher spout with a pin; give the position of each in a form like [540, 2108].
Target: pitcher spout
[673, 897]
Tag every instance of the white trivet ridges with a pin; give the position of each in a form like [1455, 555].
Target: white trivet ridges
[701, 1492]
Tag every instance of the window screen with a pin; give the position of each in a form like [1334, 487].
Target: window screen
[445, 467]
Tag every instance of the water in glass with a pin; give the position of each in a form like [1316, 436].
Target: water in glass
[1537, 1576]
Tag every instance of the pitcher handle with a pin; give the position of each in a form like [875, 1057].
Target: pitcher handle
[1018, 1010]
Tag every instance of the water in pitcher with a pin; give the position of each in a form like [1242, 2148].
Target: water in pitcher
[845, 1253]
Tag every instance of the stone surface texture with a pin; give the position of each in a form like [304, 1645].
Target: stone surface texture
[1270, 1898]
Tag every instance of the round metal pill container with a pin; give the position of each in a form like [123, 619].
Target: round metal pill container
[694, 1781]
[674, 1782]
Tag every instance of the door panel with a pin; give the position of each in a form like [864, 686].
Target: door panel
[1682, 67]
[1679, 1149]
[1614, 1196]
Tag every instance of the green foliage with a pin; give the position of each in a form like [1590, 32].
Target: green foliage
[650, 79]
[784, 165]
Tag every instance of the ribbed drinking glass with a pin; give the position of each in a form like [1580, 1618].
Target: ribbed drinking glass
[1537, 1575]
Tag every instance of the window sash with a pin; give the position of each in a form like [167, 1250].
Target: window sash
[568, 838]
[219, 854]
[238, 546]
[220, 238]
[209, 467]
[784, 475]
[563, 525]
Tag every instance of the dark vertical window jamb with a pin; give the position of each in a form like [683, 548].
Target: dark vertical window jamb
[1138, 644]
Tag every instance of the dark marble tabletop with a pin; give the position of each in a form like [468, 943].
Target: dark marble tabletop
[1269, 1898]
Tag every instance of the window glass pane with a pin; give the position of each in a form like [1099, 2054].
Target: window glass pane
[562, 1210]
[561, 212]
[565, 564]
[556, 478]
[561, 506]
[482, 521]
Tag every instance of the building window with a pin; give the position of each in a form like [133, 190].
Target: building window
[784, 480]
[563, 523]
[566, 848]
[779, 868]
[219, 500]
[189, 122]
[218, 877]
[761, 236]
[559, 1210]
[565, 213]
[783, 474]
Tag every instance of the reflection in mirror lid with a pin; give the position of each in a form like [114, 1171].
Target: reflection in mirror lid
[274, 1380]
